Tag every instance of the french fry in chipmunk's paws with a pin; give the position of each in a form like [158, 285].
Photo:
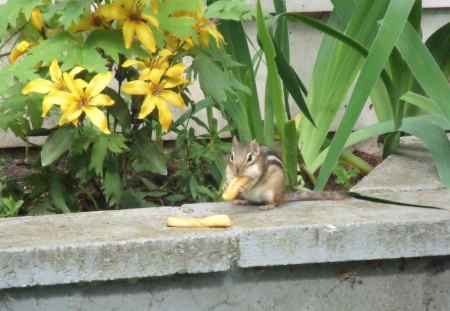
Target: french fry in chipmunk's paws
[211, 221]
[231, 192]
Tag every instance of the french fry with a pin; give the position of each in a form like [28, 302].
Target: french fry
[211, 221]
[232, 190]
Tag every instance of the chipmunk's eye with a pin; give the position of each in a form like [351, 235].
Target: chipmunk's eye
[249, 158]
[232, 157]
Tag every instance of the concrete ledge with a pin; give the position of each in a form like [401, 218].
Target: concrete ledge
[114, 245]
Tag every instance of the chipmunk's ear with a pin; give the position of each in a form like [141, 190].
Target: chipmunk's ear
[235, 141]
[255, 146]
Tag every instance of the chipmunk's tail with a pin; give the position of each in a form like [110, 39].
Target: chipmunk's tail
[315, 196]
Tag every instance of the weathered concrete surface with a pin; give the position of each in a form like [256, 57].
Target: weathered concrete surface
[343, 255]
[63, 249]
[411, 169]
[99, 246]
[403, 284]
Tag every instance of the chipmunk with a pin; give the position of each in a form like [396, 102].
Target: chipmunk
[267, 180]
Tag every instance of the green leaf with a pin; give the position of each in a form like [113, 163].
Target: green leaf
[237, 10]
[430, 129]
[112, 43]
[292, 82]
[119, 110]
[133, 199]
[274, 83]
[67, 11]
[237, 46]
[424, 68]
[193, 186]
[207, 102]
[422, 102]
[98, 155]
[150, 158]
[57, 143]
[376, 199]
[116, 142]
[58, 193]
[34, 111]
[205, 67]
[179, 26]
[439, 46]
[336, 66]
[389, 33]
[290, 152]
[112, 185]
[12, 9]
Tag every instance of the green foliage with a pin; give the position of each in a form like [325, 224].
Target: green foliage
[10, 207]
[344, 175]
[83, 165]
[237, 10]
[397, 69]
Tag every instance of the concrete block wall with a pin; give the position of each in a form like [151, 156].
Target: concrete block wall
[323, 255]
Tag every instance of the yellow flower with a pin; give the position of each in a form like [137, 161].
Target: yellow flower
[129, 14]
[21, 49]
[78, 100]
[155, 85]
[204, 27]
[160, 60]
[36, 20]
[89, 21]
[57, 83]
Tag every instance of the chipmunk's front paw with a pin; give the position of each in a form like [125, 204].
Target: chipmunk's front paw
[242, 188]
[225, 185]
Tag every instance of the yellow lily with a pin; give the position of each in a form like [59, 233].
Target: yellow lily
[129, 13]
[157, 92]
[78, 100]
[89, 21]
[204, 27]
[160, 60]
[57, 83]
[20, 49]
[36, 20]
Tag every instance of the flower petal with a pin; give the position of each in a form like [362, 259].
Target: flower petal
[173, 98]
[175, 70]
[70, 113]
[98, 83]
[155, 75]
[112, 11]
[81, 83]
[129, 29]
[62, 98]
[131, 62]
[72, 86]
[136, 87]
[145, 36]
[175, 81]
[148, 106]
[75, 71]
[47, 104]
[164, 115]
[152, 20]
[55, 72]
[41, 86]
[97, 118]
[101, 100]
